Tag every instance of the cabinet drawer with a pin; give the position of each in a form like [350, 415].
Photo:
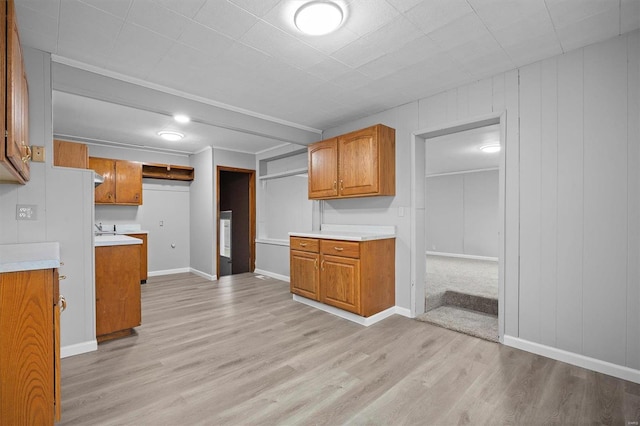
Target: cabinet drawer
[304, 244]
[340, 248]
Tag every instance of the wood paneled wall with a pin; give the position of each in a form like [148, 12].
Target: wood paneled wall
[578, 202]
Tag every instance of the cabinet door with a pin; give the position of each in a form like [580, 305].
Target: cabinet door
[323, 169]
[117, 288]
[105, 193]
[304, 274]
[340, 282]
[70, 154]
[26, 348]
[57, 373]
[16, 145]
[128, 182]
[359, 171]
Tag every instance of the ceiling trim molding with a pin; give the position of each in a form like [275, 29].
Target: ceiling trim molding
[128, 79]
[122, 145]
[462, 172]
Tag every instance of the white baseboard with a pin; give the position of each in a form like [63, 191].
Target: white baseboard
[348, 315]
[168, 272]
[271, 274]
[589, 363]
[78, 348]
[462, 256]
[404, 312]
[203, 274]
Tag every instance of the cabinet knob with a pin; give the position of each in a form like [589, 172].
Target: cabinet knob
[341, 185]
[322, 265]
[63, 304]
[315, 263]
[334, 184]
[338, 248]
[303, 244]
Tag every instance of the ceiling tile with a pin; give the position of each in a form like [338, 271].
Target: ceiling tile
[276, 42]
[117, 8]
[365, 16]
[568, 12]
[156, 18]
[98, 32]
[351, 80]
[205, 39]
[531, 50]
[36, 40]
[328, 69]
[529, 27]
[256, 7]
[590, 30]
[377, 43]
[459, 31]
[225, 17]
[434, 14]
[188, 8]
[37, 22]
[49, 8]
[498, 14]
[629, 15]
[138, 50]
[404, 5]
[411, 53]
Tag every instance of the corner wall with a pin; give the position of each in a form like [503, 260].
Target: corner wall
[64, 200]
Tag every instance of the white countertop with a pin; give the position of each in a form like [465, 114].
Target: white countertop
[349, 232]
[115, 240]
[29, 256]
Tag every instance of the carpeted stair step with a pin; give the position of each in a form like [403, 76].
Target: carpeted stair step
[472, 302]
[478, 324]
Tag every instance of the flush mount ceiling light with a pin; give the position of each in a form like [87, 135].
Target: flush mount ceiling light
[170, 136]
[490, 148]
[318, 17]
[181, 118]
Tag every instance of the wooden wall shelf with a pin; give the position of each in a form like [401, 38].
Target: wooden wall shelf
[167, 171]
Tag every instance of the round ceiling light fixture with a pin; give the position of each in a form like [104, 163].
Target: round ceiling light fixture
[170, 136]
[181, 118]
[490, 148]
[318, 17]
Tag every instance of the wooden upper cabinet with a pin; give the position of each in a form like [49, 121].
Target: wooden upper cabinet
[15, 153]
[323, 169]
[70, 154]
[122, 181]
[357, 164]
[128, 182]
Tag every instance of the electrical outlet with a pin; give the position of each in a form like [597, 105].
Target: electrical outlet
[37, 154]
[26, 212]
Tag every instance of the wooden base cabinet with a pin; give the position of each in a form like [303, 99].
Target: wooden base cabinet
[29, 348]
[118, 306]
[358, 277]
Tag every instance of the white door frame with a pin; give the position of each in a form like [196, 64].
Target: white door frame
[418, 203]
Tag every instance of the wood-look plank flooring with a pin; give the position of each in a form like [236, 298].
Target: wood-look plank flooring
[240, 351]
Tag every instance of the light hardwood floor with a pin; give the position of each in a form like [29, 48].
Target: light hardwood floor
[240, 351]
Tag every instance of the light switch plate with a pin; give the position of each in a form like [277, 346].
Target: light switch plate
[26, 212]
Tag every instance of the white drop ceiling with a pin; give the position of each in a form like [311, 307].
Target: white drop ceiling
[460, 152]
[247, 54]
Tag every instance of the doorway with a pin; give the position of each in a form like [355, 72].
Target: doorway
[235, 218]
[423, 245]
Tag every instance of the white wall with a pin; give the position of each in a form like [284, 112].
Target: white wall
[572, 199]
[168, 245]
[201, 210]
[462, 213]
[64, 199]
